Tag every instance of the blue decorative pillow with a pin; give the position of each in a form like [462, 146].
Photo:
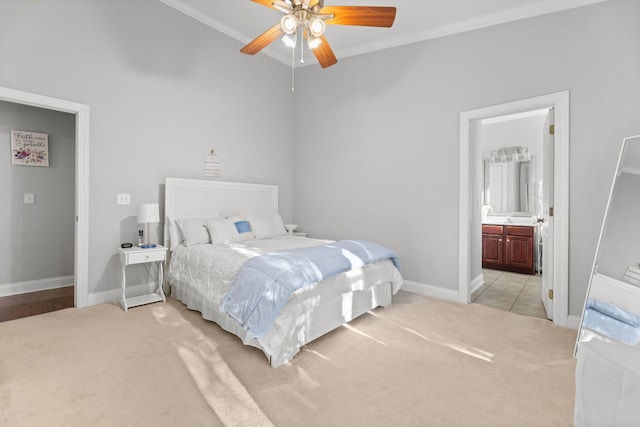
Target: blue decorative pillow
[244, 229]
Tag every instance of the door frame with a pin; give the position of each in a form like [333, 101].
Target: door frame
[560, 102]
[81, 243]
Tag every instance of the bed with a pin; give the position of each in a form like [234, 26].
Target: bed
[201, 271]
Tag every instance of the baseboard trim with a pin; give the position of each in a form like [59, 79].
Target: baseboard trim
[10, 289]
[573, 322]
[476, 283]
[430, 290]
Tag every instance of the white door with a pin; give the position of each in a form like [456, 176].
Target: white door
[546, 226]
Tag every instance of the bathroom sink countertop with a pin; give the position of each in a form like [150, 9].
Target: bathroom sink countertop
[504, 221]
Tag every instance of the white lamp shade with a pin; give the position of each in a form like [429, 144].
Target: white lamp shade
[148, 212]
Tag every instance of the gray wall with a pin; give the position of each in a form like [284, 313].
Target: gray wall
[386, 164]
[37, 240]
[163, 89]
[376, 152]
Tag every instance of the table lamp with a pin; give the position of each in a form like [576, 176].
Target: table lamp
[147, 213]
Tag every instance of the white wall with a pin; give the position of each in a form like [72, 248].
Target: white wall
[163, 90]
[385, 165]
[37, 239]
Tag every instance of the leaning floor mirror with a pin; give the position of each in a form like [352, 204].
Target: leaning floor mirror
[608, 342]
[612, 306]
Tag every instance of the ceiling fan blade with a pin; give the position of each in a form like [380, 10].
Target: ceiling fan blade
[263, 40]
[278, 5]
[268, 3]
[370, 16]
[324, 54]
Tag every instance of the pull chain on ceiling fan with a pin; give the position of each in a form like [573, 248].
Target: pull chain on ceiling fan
[310, 18]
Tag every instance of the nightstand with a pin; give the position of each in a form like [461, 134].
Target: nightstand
[136, 255]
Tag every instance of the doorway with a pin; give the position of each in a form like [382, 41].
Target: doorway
[510, 150]
[470, 273]
[81, 239]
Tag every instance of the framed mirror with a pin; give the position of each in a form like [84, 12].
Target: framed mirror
[508, 180]
[611, 311]
[507, 186]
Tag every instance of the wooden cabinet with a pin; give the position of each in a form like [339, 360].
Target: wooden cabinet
[508, 248]
[492, 245]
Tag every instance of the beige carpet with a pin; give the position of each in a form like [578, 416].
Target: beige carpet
[420, 362]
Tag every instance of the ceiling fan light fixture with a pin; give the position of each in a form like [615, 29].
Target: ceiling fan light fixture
[289, 24]
[290, 40]
[313, 42]
[308, 20]
[316, 26]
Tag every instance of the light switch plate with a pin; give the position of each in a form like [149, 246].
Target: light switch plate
[124, 199]
[29, 198]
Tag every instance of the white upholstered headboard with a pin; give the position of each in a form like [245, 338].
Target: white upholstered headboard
[194, 198]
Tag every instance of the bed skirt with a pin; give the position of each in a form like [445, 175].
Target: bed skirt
[302, 320]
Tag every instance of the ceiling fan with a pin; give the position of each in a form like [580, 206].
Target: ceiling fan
[310, 18]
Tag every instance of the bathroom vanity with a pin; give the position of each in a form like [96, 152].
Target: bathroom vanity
[508, 247]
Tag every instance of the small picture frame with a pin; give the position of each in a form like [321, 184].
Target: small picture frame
[29, 148]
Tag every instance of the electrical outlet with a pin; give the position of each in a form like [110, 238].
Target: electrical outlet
[124, 199]
[29, 198]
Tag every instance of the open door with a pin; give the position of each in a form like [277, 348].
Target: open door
[546, 224]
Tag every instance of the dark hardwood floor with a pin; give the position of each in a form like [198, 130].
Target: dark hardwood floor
[30, 304]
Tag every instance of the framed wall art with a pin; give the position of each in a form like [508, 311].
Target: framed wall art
[29, 148]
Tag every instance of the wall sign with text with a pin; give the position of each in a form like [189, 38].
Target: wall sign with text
[29, 148]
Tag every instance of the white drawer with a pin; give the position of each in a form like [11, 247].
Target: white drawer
[145, 256]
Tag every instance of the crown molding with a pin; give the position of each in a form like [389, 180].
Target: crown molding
[529, 11]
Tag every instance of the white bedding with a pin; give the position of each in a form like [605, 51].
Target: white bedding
[201, 274]
[211, 268]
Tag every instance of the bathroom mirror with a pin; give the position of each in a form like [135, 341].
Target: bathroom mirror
[612, 306]
[507, 186]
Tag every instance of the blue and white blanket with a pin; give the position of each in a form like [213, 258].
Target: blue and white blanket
[264, 283]
[612, 321]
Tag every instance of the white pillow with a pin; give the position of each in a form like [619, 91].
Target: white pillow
[263, 228]
[194, 231]
[278, 224]
[174, 234]
[222, 231]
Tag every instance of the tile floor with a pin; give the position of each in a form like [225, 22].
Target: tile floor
[518, 293]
